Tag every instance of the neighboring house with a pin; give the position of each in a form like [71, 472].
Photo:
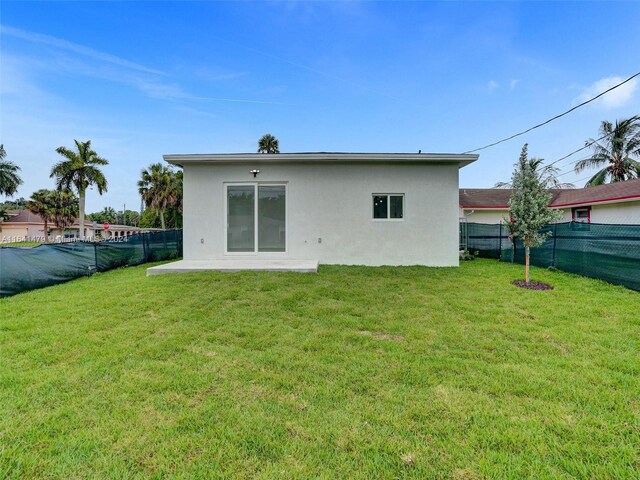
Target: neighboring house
[26, 225]
[334, 208]
[21, 224]
[614, 203]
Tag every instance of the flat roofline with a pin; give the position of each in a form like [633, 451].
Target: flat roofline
[319, 157]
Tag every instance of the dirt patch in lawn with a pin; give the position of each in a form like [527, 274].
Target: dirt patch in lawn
[381, 335]
[532, 285]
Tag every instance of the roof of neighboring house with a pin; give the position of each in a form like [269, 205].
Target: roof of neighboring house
[325, 157]
[25, 216]
[498, 198]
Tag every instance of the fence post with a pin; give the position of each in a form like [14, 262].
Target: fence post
[143, 237]
[553, 258]
[95, 254]
[500, 247]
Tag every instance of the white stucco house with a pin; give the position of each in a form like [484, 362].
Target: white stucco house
[292, 211]
[615, 203]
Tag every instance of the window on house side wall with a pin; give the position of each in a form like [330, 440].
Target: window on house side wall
[582, 214]
[388, 206]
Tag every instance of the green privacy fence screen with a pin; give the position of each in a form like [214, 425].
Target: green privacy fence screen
[607, 252]
[486, 239]
[23, 269]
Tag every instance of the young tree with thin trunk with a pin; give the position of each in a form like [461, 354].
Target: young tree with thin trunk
[529, 206]
[80, 170]
[548, 174]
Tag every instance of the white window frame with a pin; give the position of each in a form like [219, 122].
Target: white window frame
[225, 220]
[388, 195]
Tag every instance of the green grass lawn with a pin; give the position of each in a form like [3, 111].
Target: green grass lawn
[20, 244]
[351, 373]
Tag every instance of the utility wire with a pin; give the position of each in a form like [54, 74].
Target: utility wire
[587, 145]
[556, 117]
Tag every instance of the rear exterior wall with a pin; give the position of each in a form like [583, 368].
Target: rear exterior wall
[329, 214]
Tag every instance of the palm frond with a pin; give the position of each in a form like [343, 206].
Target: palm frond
[598, 179]
[9, 178]
[591, 162]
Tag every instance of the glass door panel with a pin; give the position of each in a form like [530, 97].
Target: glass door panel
[241, 218]
[271, 218]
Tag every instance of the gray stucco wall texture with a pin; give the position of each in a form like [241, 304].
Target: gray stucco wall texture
[329, 211]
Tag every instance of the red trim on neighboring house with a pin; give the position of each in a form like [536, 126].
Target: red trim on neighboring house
[556, 205]
[589, 202]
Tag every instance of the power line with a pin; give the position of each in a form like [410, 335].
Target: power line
[587, 145]
[556, 117]
[578, 180]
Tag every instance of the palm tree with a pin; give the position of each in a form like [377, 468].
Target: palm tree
[268, 144]
[108, 214]
[65, 208]
[548, 175]
[80, 170]
[4, 215]
[133, 217]
[178, 179]
[42, 204]
[620, 143]
[9, 178]
[157, 186]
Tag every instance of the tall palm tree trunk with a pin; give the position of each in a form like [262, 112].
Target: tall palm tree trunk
[46, 230]
[162, 219]
[81, 211]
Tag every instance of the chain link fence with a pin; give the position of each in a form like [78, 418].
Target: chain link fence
[23, 269]
[604, 251]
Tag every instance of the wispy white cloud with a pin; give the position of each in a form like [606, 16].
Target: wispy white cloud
[75, 48]
[93, 63]
[613, 99]
[513, 83]
[492, 85]
[173, 91]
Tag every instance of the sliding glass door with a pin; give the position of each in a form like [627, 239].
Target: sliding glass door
[271, 218]
[256, 218]
[241, 223]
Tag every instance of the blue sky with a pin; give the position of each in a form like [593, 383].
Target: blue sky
[144, 79]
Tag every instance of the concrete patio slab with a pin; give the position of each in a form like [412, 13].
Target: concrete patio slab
[235, 265]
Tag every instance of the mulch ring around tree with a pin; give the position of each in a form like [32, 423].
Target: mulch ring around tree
[532, 285]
